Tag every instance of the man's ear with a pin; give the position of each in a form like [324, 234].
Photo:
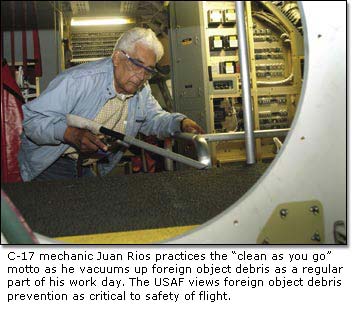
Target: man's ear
[115, 58]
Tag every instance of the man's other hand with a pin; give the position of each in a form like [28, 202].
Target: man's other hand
[83, 140]
[188, 125]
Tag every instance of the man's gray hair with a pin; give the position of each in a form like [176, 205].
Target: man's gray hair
[144, 36]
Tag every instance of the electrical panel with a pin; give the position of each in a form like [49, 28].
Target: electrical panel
[210, 64]
[89, 46]
[90, 43]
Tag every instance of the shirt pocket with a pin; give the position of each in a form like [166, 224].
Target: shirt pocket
[139, 120]
[137, 123]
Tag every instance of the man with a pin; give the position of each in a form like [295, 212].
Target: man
[112, 91]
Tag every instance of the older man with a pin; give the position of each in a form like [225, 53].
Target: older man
[112, 91]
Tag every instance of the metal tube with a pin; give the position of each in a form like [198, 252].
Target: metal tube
[144, 161]
[165, 153]
[84, 123]
[212, 137]
[169, 165]
[200, 144]
[246, 88]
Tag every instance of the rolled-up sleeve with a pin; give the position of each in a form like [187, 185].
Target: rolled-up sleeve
[45, 117]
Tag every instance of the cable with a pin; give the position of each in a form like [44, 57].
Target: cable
[273, 21]
[268, 19]
[288, 79]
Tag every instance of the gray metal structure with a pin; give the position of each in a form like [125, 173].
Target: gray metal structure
[189, 93]
[246, 85]
[240, 135]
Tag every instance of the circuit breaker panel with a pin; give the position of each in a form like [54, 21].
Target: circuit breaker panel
[204, 48]
[92, 43]
[90, 46]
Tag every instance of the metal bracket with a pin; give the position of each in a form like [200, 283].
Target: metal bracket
[294, 223]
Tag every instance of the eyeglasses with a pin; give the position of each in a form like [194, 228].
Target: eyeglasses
[137, 67]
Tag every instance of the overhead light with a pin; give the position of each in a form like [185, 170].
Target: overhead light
[77, 21]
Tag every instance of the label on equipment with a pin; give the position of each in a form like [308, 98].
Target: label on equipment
[229, 67]
[231, 15]
[233, 41]
[217, 42]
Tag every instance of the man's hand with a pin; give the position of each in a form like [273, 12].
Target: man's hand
[83, 140]
[188, 125]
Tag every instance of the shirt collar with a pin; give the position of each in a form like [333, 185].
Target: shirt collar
[120, 96]
[123, 97]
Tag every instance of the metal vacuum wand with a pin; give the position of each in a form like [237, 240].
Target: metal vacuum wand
[96, 128]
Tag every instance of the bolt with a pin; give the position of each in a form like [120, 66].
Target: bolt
[314, 210]
[283, 213]
[316, 237]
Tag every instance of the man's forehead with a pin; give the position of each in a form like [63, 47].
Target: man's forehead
[144, 54]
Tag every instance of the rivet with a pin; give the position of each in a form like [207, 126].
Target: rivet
[316, 237]
[314, 210]
[283, 213]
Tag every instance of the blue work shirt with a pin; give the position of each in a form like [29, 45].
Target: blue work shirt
[83, 90]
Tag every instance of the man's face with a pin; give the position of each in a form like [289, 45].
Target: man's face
[129, 77]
